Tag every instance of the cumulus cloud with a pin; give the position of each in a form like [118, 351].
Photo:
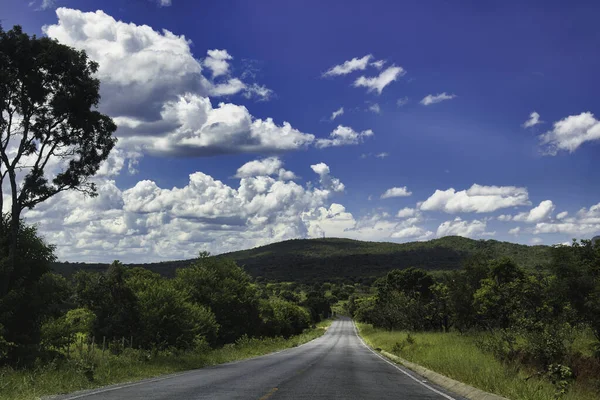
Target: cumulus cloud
[562, 215]
[459, 227]
[514, 231]
[570, 133]
[154, 89]
[195, 128]
[379, 82]
[433, 99]
[396, 192]
[148, 222]
[342, 136]
[326, 180]
[534, 119]
[536, 240]
[541, 212]
[337, 113]
[217, 62]
[382, 155]
[477, 198]
[265, 167]
[407, 212]
[349, 66]
[584, 223]
[164, 3]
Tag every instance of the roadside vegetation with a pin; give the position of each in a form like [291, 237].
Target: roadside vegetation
[87, 361]
[520, 333]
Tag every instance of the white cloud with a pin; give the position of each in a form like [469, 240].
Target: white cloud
[562, 215]
[433, 99]
[217, 62]
[337, 113]
[153, 87]
[477, 199]
[396, 192]
[570, 133]
[265, 167]
[411, 232]
[458, 227]
[379, 82]
[164, 3]
[342, 136]
[375, 108]
[378, 64]
[147, 222]
[585, 223]
[534, 119]
[326, 180]
[261, 92]
[536, 240]
[47, 4]
[541, 212]
[349, 66]
[514, 231]
[402, 102]
[505, 217]
[198, 129]
[382, 155]
[407, 212]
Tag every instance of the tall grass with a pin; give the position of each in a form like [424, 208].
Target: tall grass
[458, 356]
[87, 369]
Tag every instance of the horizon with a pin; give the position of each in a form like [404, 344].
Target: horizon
[245, 125]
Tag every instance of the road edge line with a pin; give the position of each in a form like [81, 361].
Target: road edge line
[460, 388]
[446, 396]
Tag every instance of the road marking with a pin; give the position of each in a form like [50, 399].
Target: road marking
[269, 394]
[398, 368]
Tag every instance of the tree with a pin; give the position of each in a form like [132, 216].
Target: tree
[112, 301]
[33, 295]
[52, 139]
[226, 289]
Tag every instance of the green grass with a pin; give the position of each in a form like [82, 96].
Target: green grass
[69, 376]
[457, 356]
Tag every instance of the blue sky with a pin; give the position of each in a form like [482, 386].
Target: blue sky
[464, 162]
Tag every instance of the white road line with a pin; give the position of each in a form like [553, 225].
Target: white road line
[398, 368]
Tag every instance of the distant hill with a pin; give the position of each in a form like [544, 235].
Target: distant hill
[314, 260]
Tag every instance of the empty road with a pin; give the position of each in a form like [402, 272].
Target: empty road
[335, 366]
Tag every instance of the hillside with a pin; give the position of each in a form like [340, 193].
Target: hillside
[312, 260]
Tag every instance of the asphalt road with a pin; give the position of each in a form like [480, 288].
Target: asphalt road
[337, 365]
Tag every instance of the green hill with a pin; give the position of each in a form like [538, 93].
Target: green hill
[313, 260]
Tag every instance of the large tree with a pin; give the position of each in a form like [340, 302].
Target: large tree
[52, 138]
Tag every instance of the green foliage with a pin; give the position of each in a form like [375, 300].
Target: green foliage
[33, 294]
[225, 288]
[282, 318]
[318, 305]
[169, 320]
[60, 333]
[112, 301]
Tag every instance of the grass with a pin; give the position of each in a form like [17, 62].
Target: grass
[65, 376]
[457, 356]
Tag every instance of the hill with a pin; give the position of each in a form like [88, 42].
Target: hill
[314, 260]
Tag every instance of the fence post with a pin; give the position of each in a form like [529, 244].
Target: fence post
[103, 345]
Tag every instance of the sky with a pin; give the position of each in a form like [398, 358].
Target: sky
[246, 123]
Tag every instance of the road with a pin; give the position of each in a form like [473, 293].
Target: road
[337, 365]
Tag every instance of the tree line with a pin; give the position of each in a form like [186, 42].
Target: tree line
[208, 304]
[529, 315]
